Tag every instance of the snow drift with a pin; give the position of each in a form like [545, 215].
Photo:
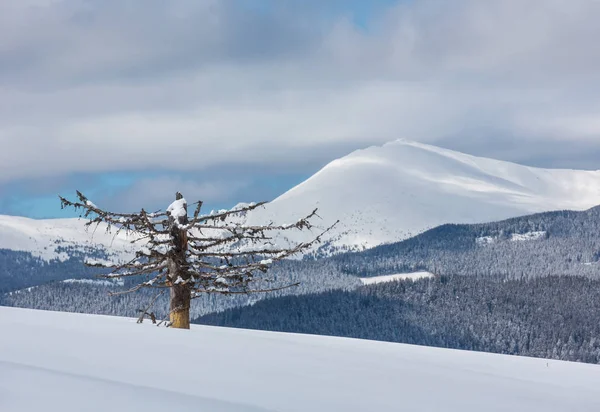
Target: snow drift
[66, 362]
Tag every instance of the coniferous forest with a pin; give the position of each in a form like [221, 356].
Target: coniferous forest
[554, 317]
[527, 286]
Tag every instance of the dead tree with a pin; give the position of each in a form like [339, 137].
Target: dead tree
[197, 254]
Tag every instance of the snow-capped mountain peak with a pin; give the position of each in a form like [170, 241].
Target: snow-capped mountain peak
[388, 193]
[380, 194]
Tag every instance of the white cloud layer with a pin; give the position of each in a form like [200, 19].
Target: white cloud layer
[94, 86]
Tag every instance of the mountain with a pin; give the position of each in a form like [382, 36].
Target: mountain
[380, 195]
[392, 192]
[99, 363]
[563, 243]
[59, 239]
[528, 285]
[34, 252]
[554, 317]
[551, 243]
[69, 286]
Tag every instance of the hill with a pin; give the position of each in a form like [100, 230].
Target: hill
[92, 295]
[546, 244]
[392, 192]
[554, 317]
[380, 195]
[96, 363]
[58, 239]
[552, 243]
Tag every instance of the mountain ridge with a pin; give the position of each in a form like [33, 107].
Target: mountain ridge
[388, 193]
[381, 194]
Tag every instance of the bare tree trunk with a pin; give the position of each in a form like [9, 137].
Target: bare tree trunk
[180, 306]
[181, 295]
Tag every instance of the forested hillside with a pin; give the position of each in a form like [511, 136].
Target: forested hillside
[93, 297]
[550, 317]
[554, 243]
[550, 244]
[20, 270]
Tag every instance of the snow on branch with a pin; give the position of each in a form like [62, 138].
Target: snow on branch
[142, 222]
[203, 253]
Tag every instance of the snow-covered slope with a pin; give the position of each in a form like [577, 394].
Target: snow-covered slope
[49, 237]
[395, 191]
[69, 362]
[380, 195]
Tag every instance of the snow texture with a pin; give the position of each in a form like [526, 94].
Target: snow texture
[178, 208]
[97, 282]
[67, 362]
[99, 262]
[517, 237]
[400, 276]
[43, 238]
[485, 240]
[392, 192]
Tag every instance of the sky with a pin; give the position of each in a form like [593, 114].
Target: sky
[239, 100]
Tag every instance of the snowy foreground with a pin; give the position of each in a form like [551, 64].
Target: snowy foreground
[68, 362]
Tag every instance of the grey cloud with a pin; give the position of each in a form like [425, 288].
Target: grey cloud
[187, 85]
[74, 42]
[540, 152]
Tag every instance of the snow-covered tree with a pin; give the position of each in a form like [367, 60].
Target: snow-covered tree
[195, 255]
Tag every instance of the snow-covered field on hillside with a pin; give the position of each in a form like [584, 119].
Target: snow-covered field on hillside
[400, 276]
[45, 238]
[70, 362]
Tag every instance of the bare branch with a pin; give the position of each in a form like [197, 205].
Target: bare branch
[177, 254]
[145, 311]
[199, 292]
[222, 216]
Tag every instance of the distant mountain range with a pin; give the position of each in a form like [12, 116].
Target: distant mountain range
[380, 195]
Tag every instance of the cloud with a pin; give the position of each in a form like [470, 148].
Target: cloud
[161, 191]
[94, 86]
